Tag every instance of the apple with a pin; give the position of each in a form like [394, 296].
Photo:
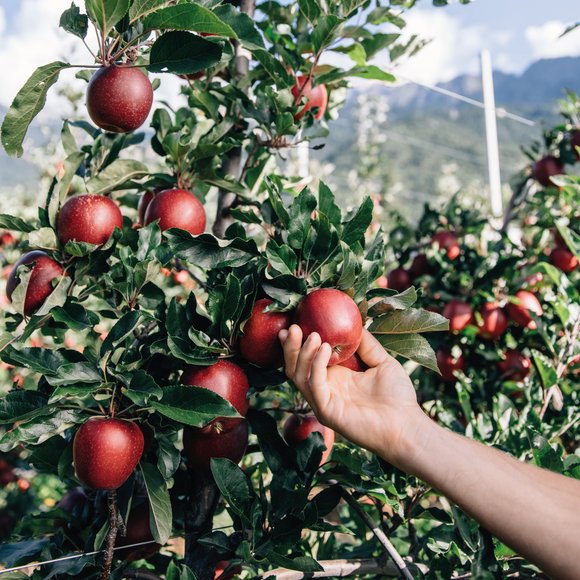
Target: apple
[176, 208]
[447, 241]
[398, 279]
[72, 499]
[459, 313]
[119, 98]
[222, 566]
[420, 266]
[297, 428]
[515, 366]
[335, 317]
[105, 452]
[564, 260]
[448, 364]
[520, 312]
[575, 142]
[382, 282]
[316, 96]
[494, 322]
[226, 379]
[138, 531]
[259, 343]
[7, 474]
[88, 218]
[7, 239]
[7, 523]
[354, 363]
[40, 285]
[200, 445]
[144, 201]
[544, 169]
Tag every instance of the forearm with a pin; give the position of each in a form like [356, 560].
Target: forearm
[534, 511]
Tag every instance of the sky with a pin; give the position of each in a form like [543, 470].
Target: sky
[517, 32]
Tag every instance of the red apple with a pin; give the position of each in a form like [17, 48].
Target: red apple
[144, 201]
[354, 363]
[222, 566]
[72, 499]
[519, 311]
[447, 241]
[314, 96]
[398, 279]
[119, 98]
[420, 266]
[105, 452]
[138, 531]
[544, 169]
[335, 317]
[226, 379]
[564, 260]
[40, 285]
[382, 282]
[297, 428]
[448, 364]
[460, 314]
[88, 218]
[200, 445]
[177, 208]
[515, 366]
[494, 322]
[259, 343]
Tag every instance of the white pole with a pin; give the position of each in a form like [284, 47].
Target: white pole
[303, 159]
[491, 135]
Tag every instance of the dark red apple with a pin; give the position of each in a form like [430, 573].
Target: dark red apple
[222, 566]
[105, 452]
[40, 285]
[226, 379]
[200, 445]
[520, 311]
[447, 241]
[259, 343]
[420, 266]
[544, 169]
[515, 366]
[297, 428]
[315, 96]
[72, 499]
[459, 313]
[143, 204]
[335, 317]
[564, 260]
[88, 218]
[119, 98]
[494, 322]
[448, 364]
[177, 208]
[399, 279]
[354, 363]
[138, 531]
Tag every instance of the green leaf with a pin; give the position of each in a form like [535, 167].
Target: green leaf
[311, 10]
[116, 174]
[8, 222]
[281, 258]
[169, 457]
[355, 228]
[188, 17]
[193, 406]
[233, 484]
[142, 387]
[27, 104]
[409, 322]
[121, 330]
[411, 346]
[160, 514]
[75, 316]
[78, 372]
[402, 301]
[21, 405]
[44, 238]
[242, 24]
[183, 53]
[371, 72]
[40, 360]
[300, 218]
[71, 165]
[106, 13]
[57, 297]
[325, 32]
[546, 369]
[327, 204]
[274, 68]
[74, 22]
[300, 563]
[10, 554]
[141, 8]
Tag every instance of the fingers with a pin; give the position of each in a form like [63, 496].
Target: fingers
[305, 360]
[291, 340]
[319, 386]
[370, 350]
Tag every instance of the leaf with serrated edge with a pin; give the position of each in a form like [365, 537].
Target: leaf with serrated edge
[411, 346]
[409, 322]
[401, 301]
[116, 174]
[160, 514]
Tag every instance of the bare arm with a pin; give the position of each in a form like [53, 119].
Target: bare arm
[533, 510]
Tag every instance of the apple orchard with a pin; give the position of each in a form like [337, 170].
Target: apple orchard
[147, 429]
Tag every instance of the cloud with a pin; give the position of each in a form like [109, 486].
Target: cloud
[545, 42]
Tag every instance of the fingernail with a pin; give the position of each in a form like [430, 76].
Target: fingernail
[283, 335]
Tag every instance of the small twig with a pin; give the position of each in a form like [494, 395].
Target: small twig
[112, 535]
[380, 535]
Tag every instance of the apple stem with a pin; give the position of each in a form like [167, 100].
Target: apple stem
[114, 526]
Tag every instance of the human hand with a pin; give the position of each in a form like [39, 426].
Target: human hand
[376, 409]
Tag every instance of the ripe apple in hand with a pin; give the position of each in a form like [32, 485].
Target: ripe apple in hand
[200, 445]
[398, 279]
[515, 366]
[314, 96]
[335, 317]
[88, 218]
[259, 343]
[297, 428]
[226, 379]
[494, 322]
[40, 286]
[564, 260]
[105, 452]
[448, 364]
[520, 312]
[544, 169]
[176, 208]
[447, 241]
[459, 313]
[119, 98]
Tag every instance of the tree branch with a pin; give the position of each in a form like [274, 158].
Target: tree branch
[112, 535]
